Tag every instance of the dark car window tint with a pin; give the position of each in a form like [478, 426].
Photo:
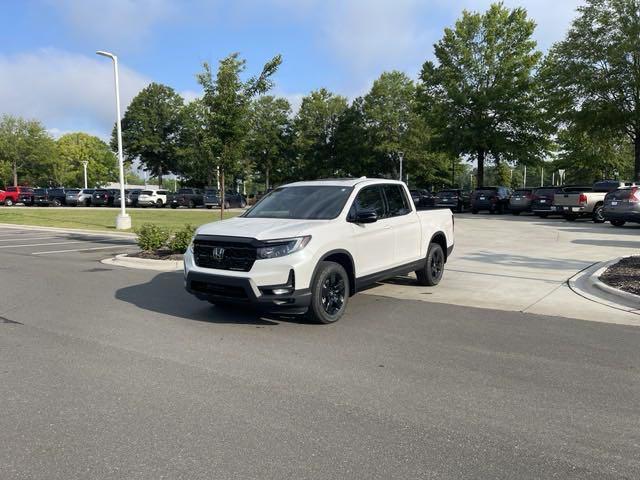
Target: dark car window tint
[622, 194]
[370, 198]
[396, 200]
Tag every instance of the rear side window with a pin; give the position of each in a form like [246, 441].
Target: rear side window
[370, 198]
[622, 194]
[12, 189]
[396, 200]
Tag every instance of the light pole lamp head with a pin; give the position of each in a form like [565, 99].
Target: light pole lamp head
[106, 54]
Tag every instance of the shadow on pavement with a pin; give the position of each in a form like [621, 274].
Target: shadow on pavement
[526, 261]
[165, 294]
[609, 243]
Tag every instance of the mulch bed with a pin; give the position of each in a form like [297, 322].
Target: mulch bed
[624, 275]
[158, 255]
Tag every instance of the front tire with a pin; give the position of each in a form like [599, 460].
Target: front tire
[618, 223]
[329, 293]
[433, 270]
[8, 202]
[474, 211]
[159, 203]
[56, 203]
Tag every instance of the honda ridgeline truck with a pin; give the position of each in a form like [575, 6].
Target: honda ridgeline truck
[307, 247]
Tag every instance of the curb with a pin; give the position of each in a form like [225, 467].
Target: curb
[594, 279]
[123, 260]
[69, 230]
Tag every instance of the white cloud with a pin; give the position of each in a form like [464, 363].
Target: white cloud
[115, 23]
[65, 91]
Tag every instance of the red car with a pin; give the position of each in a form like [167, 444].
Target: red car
[11, 195]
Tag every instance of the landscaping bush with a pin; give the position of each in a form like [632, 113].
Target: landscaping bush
[152, 237]
[181, 239]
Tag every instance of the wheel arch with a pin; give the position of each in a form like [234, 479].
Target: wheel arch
[441, 239]
[344, 258]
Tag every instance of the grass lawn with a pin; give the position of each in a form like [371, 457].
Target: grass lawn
[105, 218]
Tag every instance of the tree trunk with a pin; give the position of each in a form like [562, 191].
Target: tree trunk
[480, 174]
[221, 193]
[267, 179]
[636, 142]
[14, 169]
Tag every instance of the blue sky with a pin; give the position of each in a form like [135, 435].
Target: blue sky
[49, 71]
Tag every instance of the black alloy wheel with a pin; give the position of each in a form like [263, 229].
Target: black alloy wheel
[329, 293]
[433, 270]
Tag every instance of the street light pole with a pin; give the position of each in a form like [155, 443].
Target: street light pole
[84, 166]
[123, 221]
[401, 157]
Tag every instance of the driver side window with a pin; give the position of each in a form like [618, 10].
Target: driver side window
[368, 199]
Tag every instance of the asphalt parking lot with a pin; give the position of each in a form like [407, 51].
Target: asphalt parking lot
[115, 373]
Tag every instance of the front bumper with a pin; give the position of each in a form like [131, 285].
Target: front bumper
[254, 288]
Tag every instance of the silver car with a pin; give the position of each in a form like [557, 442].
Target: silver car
[622, 206]
[79, 197]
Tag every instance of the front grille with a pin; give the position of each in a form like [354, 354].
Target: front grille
[224, 255]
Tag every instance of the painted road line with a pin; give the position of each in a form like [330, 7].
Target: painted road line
[40, 244]
[27, 238]
[76, 250]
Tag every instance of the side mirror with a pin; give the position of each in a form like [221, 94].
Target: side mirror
[366, 216]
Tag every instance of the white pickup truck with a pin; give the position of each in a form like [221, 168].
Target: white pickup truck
[307, 247]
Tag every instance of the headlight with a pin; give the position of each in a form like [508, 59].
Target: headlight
[282, 247]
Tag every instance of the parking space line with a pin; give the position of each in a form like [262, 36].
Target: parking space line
[77, 250]
[27, 238]
[40, 244]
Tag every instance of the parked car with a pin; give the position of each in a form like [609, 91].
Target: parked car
[49, 197]
[420, 195]
[454, 198]
[26, 196]
[131, 197]
[231, 199]
[622, 206]
[493, 199]
[520, 201]
[103, 197]
[153, 198]
[587, 203]
[187, 197]
[280, 257]
[11, 195]
[79, 197]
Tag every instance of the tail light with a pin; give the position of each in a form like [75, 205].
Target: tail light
[583, 199]
[634, 196]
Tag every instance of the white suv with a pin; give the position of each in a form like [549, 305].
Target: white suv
[309, 246]
[153, 198]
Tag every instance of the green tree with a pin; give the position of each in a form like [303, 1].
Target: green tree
[315, 128]
[269, 119]
[150, 129]
[593, 75]
[75, 148]
[193, 153]
[26, 151]
[482, 98]
[353, 144]
[226, 100]
[389, 114]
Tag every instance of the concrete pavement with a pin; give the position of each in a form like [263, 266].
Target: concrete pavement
[523, 264]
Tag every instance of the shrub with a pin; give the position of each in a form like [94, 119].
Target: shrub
[181, 239]
[152, 237]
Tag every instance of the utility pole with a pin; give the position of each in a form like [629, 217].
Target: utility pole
[84, 166]
[524, 181]
[401, 157]
[542, 176]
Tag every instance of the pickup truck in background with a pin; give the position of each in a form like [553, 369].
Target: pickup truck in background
[11, 195]
[187, 197]
[307, 247]
[588, 203]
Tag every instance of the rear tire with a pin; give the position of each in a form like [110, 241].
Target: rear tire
[174, 206]
[56, 203]
[329, 293]
[192, 204]
[515, 212]
[598, 214]
[618, 223]
[8, 202]
[159, 203]
[570, 218]
[433, 270]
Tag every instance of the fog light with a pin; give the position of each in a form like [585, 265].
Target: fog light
[281, 291]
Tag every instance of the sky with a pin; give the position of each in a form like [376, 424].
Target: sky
[49, 70]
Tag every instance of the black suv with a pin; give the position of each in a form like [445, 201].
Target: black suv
[454, 198]
[493, 199]
[103, 197]
[54, 197]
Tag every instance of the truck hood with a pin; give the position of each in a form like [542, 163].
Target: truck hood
[260, 228]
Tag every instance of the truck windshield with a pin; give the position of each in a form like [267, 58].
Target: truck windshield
[303, 203]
